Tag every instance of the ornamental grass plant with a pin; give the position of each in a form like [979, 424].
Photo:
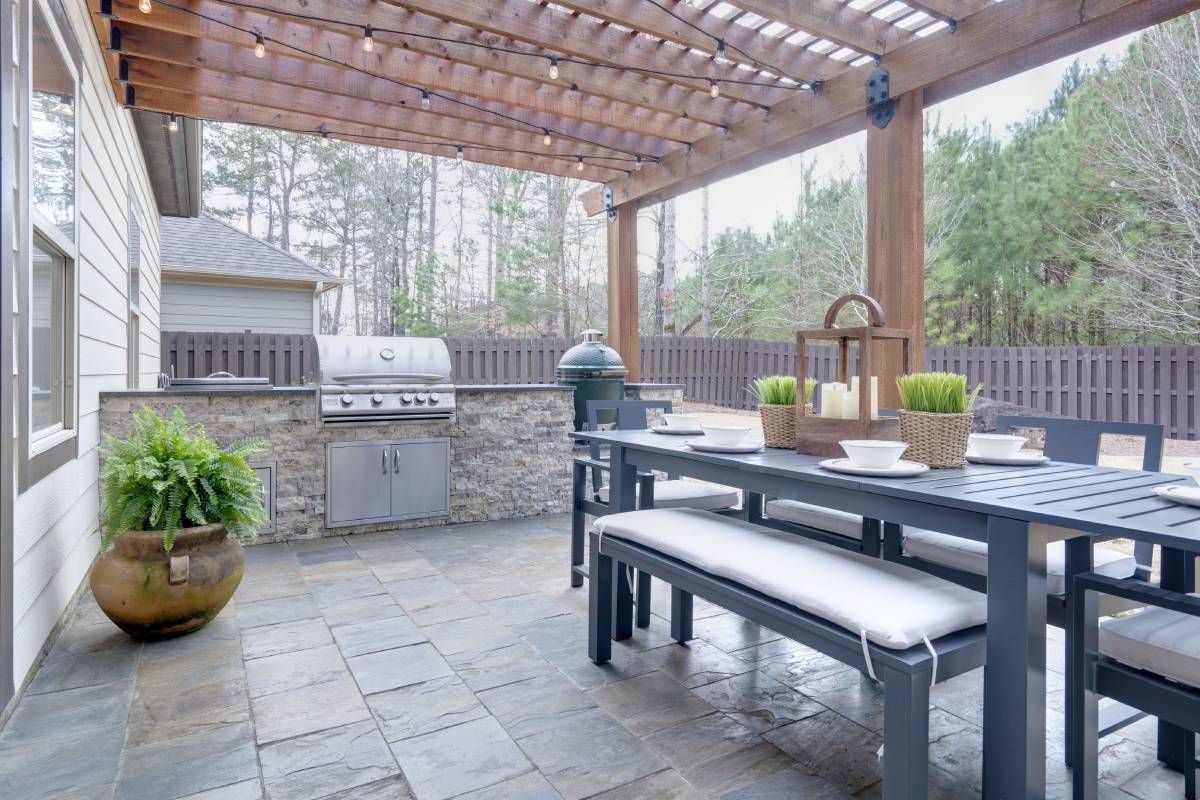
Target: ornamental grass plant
[780, 390]
[936, 393]
[167, 475]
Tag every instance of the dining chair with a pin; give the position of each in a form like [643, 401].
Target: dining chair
[1149, 660]
[652, 492]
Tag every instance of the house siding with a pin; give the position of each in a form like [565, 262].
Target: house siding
[235, 308]
[55, 540]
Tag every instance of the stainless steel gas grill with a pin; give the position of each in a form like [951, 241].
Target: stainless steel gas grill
[384, 378]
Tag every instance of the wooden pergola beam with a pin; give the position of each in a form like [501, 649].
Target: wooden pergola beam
[240, 90]
[646, 131]
[549, 28]
[949, 9]
[140, 44]
[203, 107]
[833, 20]
[1015, 33]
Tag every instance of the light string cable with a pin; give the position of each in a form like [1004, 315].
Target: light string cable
[633, 157]
[554, 59]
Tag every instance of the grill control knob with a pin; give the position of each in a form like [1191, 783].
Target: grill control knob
[406, 398]
[433, 398]
[347, 399]
[377, 399]
[421, 397]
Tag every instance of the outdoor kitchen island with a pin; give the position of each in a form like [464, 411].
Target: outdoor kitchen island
[509, 447]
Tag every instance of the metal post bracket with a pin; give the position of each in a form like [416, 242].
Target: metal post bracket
[609, 208]
[879, 97]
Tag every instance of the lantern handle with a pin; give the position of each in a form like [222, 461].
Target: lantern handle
[875, 314]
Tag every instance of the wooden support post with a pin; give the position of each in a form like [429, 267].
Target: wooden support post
[896, 235]
[623, 289]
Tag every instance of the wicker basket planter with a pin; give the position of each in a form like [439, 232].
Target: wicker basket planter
[939, 440]
[779, 425]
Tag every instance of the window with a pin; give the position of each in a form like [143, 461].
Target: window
[47, 299]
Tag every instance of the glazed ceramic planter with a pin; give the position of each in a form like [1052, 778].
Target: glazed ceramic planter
[152, 594]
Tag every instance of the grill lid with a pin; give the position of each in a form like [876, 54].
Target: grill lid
[591, 359]
[382, 359]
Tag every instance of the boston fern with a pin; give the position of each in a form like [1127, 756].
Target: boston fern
[169, 475]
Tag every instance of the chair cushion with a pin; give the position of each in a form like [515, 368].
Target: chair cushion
[831, 520]
[971, 556]
[1159, 640]
[893, 604]
[688, 494]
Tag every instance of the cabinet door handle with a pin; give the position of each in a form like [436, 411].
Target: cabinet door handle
[384, 454]
[396, 460]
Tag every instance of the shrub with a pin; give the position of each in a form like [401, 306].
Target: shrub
[169, 475]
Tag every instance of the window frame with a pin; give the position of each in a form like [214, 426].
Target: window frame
[44, 453]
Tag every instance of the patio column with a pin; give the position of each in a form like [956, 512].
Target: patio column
[623, 288]
[896, 234]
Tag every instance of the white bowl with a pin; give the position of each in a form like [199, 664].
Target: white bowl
[725, 435]
[683, 422]
[873, 453]
[995, 445]
[1193, 469]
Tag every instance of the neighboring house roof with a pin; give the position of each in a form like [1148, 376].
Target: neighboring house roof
[207, 246]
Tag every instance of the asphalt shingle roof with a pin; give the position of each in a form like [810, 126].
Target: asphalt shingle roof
[208, 245]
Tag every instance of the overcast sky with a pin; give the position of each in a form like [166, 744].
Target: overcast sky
[754, 199]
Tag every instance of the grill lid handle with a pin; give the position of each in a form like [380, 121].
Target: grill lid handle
[391, 377]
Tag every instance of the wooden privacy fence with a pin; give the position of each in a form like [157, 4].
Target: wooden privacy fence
[1133, 384]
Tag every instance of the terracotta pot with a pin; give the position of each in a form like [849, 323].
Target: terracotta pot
[152, 594]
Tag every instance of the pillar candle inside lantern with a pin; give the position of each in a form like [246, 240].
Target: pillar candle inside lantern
[831, 400]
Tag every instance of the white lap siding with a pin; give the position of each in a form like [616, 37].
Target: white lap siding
[225, 308]
[55, 537]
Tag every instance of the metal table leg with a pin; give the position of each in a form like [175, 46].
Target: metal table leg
[1014, 713]
[1178, 575]
[622, 496]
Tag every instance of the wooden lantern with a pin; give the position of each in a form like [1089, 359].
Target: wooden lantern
[819, 436]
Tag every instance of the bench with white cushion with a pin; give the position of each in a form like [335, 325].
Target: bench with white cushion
[1149, 660]
[685, 494]
[907, 628]
[830, 525]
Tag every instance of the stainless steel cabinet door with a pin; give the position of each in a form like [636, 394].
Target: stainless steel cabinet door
[420, 478]
[358, 478]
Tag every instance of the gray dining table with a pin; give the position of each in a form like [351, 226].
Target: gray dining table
[1016, 510]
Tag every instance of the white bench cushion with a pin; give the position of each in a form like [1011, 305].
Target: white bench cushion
[687, 494]
[971, 556]
[1159, 640]
[893, 604]
[842, 523]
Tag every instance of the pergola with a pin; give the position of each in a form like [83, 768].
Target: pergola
[648, 98]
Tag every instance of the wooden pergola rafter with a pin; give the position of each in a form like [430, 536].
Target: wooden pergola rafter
[650, 98]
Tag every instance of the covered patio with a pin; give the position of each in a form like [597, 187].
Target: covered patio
[453, 661]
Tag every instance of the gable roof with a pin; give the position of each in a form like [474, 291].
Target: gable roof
[207, 246]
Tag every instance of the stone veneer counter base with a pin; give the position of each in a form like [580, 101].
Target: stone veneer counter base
[510, 450]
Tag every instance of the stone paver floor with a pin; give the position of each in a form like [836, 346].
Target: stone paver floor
[451, 662]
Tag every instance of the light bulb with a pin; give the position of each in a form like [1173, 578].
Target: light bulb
[173, 124]
[369, 39]
[720, 48]
[144, 6]
[425, 99]
[260, 45]
[637, 163]
[459, 152]
[546, 140]
[553, 68]
[714, 89]
[579, 164]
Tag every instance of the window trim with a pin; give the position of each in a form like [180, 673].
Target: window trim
[40, 456]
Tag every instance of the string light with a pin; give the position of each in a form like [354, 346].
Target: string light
[720, 49]
[260, 45]
[553, 68]
[173, 123]
[144, 6]
[714, 89]
[637, 164]
[458, 152]
[369, 39]
[425, 99]
[546, 138]
[579, 164]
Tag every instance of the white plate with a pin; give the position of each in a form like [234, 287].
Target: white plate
[1187, 495]
[705, 447]
[676, 431]
[901, 469]
[1030, 460]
